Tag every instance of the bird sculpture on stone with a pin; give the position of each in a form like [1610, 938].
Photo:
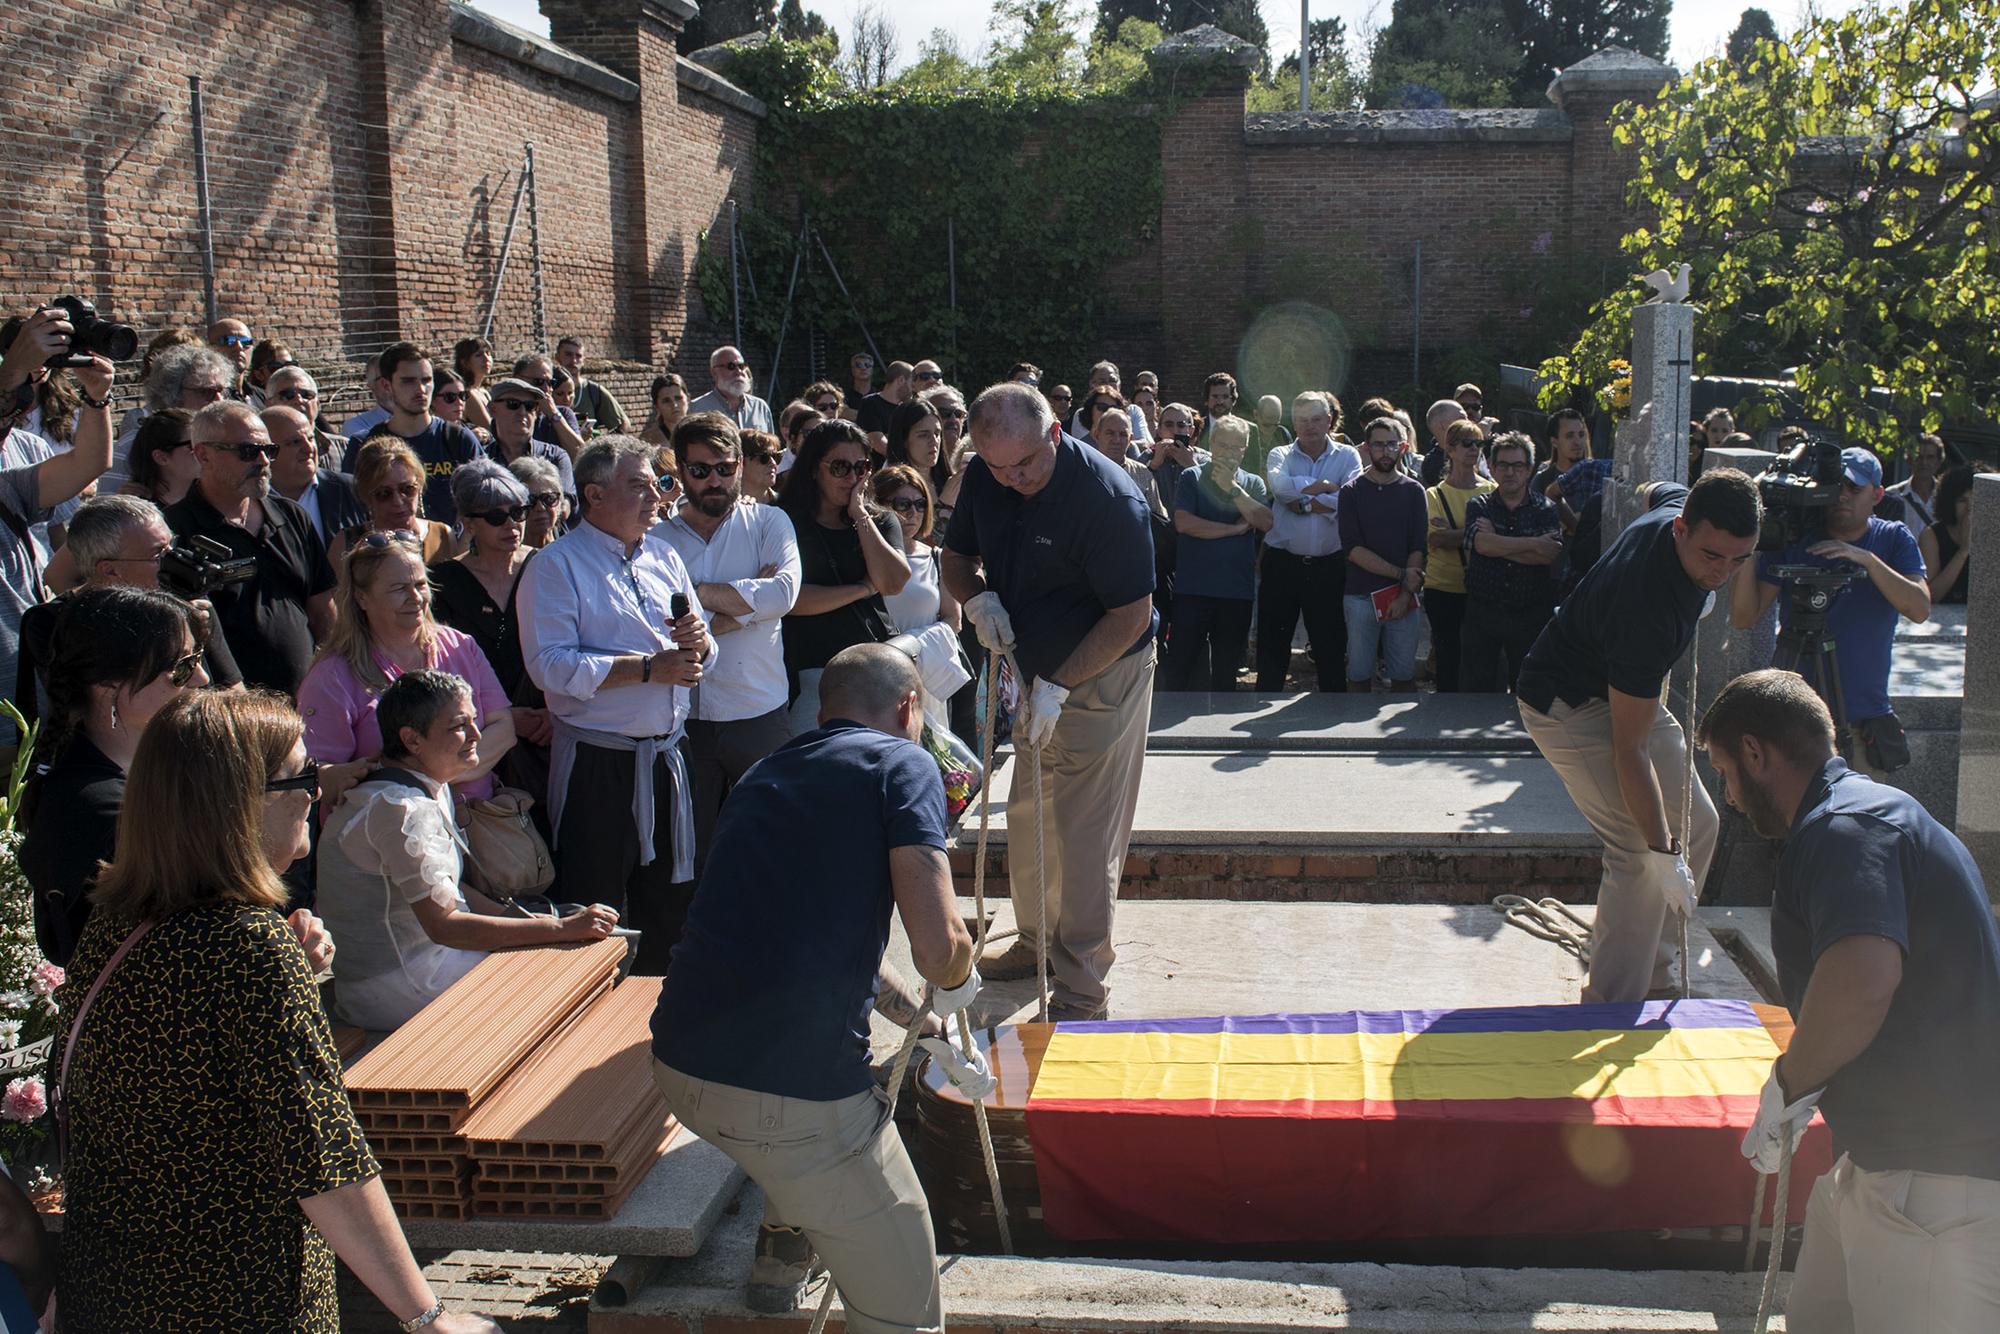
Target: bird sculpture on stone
[1669, 289]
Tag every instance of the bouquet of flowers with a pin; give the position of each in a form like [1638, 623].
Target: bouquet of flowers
[1618, 394]
[28, 982]
[957, 765]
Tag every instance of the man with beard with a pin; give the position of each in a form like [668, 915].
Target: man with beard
[1590, 693]
[1890, 965]
[403, 381]
[744, 560]
[731, 396]
[272, 620]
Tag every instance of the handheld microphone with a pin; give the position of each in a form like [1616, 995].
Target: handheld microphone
[678, 605]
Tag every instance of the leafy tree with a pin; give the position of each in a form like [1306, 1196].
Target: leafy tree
[1336, 84]
[1035, 43]
[1754, 25]
[1120, 64]
[798, 24]
[940, 67]
[1555, 34]
[1439, 53]
[1111, 16]
[1867, 262]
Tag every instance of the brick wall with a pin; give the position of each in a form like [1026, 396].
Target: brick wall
[363, 159]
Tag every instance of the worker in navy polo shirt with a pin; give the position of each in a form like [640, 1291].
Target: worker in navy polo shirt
[761, 1036]
[1889, 962]
[1862, 619]
[1591, 695]
[1067, 549]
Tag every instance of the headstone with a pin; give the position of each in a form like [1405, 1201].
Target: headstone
[1979, 716]
[1652, 446]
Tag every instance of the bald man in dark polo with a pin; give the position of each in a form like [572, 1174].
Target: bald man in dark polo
[1050, 551]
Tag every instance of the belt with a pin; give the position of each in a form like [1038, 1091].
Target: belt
[1308, 560]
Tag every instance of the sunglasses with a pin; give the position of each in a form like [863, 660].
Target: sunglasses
[930, 375]
[183, 669]
[450, 396]
[699, 472]
[733, 366]
[1059, 398]
[827, 408]
[544, 383]
[512, 514]
[516, 404]
[545, 501]
[758, 455]
[907, 504]
[295, 395]
[306, 781]
[952, 415]
[384, 494]
[208, 391]
[237, 340]
[842, 468]
[400, 537]
[250, 453]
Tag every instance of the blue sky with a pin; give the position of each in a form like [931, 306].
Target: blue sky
[1699, 26]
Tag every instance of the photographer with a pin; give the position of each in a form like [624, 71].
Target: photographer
[1591, 697]
[1862, 617]
[1888, 960]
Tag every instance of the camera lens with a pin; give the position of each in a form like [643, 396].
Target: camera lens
[114, 342]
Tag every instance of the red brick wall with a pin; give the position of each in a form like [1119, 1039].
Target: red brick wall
[362, 164]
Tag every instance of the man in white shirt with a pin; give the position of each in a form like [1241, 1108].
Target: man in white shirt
[601, 638]
[1305, 570]
[744, 560]
[731, 396]
[1918, 489]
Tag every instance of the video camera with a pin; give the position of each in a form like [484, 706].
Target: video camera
[1798, 491]
[90, 334]
[196, 566]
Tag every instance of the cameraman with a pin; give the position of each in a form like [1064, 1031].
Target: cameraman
[1862, 618]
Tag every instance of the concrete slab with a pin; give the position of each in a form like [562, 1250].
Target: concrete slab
[670, 1213]
[1193, 958]
[1337, 722]
[1374, 800]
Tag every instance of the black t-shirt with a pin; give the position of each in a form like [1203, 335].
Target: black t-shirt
[1627, 623]
[442, 447]
[852, 398]
[833, 556]
[264, 618]
[1061, 558]
[72, 826]
[1866, 859]
[38, 628]
[750, 998]
[1432, 465]
[874, 414]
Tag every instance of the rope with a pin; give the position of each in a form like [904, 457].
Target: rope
[1547, 919]
[1687, 792]
[1781, 1216]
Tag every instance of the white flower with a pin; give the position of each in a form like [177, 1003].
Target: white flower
[15, 1000]
[10, 1033]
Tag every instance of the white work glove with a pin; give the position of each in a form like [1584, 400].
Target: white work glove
[968, 1074]
[1036, 722]
[948, 1001]
[1778, 1124]
[1675, 882]
[990, 619]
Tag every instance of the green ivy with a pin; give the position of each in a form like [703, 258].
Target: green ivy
[1047, 188]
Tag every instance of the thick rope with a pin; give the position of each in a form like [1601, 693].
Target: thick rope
[1687, 795]
[1548, 919]
[1781, 1217]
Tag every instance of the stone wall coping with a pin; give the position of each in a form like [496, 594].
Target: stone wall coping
[1205, 45]
[1523, 125]
[487, 33]
[1613, 72]
[710, 84]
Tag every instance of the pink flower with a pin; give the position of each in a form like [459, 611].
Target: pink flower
[24, 1100]
[46, 978]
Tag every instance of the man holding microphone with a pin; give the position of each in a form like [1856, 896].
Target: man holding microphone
[1050, 552]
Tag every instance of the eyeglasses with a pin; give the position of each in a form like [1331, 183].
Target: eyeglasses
[512, 514]
[211, 392]
[758, 455]
[296, 395]
[699, 471]
[450, 396]
[397, 537]
[827, 407]
[384, 494]
[183, 669]
[732, 365]
[1059, 398]
[516, 404]
[930, 375]
[953, 414]
[249, 453]
[237, 340]
[306, 781]
[842, 468]
[1510, 467]
[907, 504]
[547, 500]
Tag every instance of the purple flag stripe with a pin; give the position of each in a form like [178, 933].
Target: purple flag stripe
[1500, 1019]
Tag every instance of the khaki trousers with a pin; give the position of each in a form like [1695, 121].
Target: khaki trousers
[1090, 787]
[1898, 1253]
[837, 1170]
[1633, 948]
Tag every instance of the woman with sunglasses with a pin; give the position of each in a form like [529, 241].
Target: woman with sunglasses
[382, 627]
[118, 656]
[762, 456]
[449, 398]
[472, 359]
[850, 558]
[268, 355]
[476, 593]
[389, 478]
[203, 1090]
[902, 491]
[163, 464]
[670, 404]
[545, 500]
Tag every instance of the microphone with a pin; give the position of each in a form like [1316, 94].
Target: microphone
[678, 605]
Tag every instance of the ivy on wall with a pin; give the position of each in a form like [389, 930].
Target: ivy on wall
[1036, 191]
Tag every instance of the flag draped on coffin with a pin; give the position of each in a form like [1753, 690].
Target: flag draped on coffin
[1406, 1123]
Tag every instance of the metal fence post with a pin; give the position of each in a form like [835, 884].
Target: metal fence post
[535, 253]
[1417, 321]
[506, 249]
[201, 201]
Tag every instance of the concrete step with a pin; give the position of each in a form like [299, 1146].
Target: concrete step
[1336, 722]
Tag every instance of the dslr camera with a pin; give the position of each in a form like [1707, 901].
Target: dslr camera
[1797, 491]
[92, 334]
[196, 566]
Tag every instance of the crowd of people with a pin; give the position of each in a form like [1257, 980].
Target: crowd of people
[302, 688]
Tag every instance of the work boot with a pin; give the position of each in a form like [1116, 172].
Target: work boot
[1011, 964]
[785, 1263]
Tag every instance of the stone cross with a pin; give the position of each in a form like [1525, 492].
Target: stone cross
[1979, 711]
[1653, 445]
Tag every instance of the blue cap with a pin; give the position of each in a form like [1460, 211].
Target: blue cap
[1861, 466]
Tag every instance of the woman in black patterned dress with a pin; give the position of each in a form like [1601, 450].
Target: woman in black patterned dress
[214, 1167]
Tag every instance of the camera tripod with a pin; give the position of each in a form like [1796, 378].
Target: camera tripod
[1805, 645]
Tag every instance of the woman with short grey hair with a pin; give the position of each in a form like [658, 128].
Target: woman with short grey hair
[547, 508]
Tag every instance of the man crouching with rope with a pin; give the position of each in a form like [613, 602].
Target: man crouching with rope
[761, 1036]
[1591, 696]
[1067, 549]
[1889, 962]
